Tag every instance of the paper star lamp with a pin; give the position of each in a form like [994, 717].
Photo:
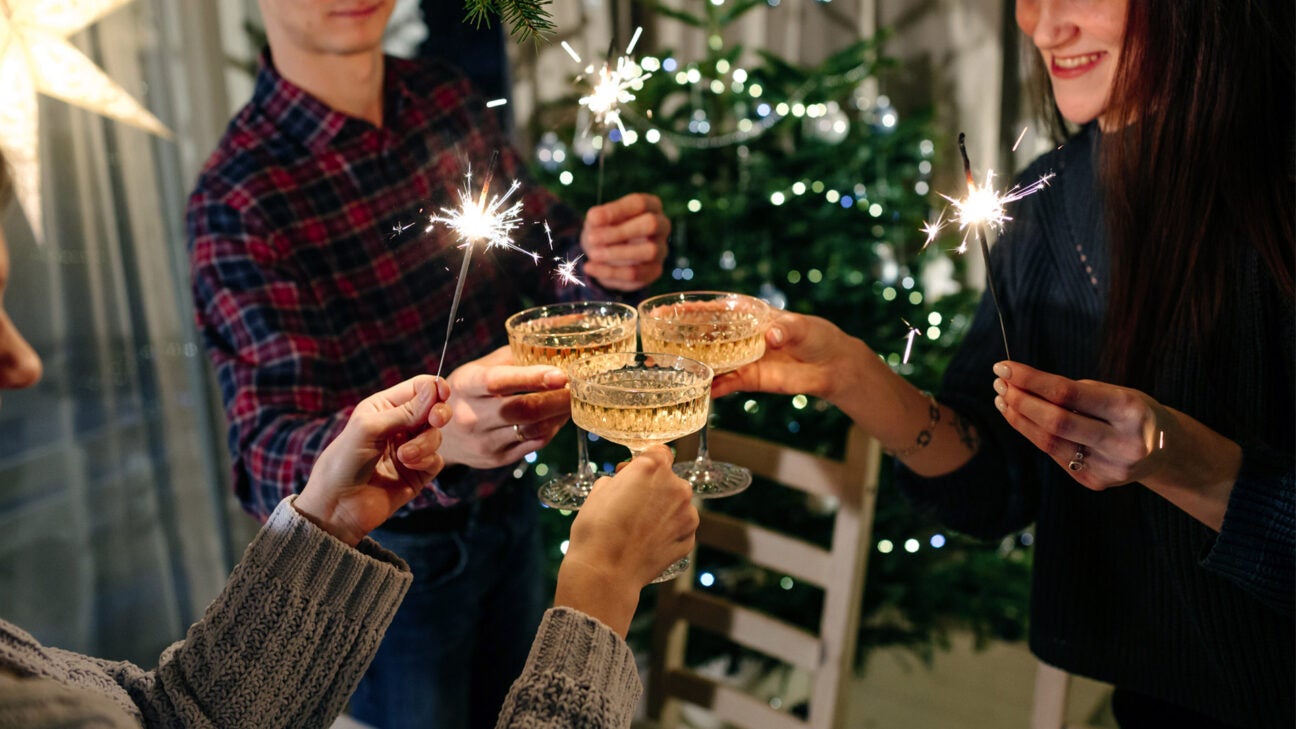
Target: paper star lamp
[36, 57]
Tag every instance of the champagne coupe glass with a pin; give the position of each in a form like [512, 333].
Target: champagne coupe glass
[559, 334]
[723, 330]
[639, 400]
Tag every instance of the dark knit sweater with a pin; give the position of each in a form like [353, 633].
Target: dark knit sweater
[1127, 588]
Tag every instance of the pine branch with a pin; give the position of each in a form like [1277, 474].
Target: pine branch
[530, 19]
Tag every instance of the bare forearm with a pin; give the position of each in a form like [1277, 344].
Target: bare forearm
[600, 596]
[1199, 477]
[900, 416]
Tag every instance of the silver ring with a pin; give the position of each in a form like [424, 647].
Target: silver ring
[517, 433]
[1077, 463]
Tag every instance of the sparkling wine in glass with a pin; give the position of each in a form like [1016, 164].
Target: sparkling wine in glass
[559, 334]
[640, 400]
[724, 330]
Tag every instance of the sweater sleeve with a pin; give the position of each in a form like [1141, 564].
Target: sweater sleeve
[286, 642]
[579, 674]
[1256, 546]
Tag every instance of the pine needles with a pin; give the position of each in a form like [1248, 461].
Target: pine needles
[529, 19]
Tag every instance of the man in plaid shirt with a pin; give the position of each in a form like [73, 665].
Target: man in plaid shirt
[317, 283]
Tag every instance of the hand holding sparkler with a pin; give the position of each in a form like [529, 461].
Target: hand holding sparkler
[1105, 435]
[625, 241]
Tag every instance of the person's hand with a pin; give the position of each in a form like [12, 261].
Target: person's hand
[502, 411]
[625, 242]
[385, 454]
[1105, 435]
[803, 355]
[631, 527]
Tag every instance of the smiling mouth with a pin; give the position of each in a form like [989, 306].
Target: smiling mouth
[357, 12]
[1069, 63]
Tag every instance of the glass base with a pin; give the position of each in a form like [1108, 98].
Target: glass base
[670, 573]
[567, 491]
[714, 479]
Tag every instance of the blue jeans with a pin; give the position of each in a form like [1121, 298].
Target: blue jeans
[462, 634]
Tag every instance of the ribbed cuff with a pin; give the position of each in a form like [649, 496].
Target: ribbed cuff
[1256, 541]
[366, 580]
[580, 647]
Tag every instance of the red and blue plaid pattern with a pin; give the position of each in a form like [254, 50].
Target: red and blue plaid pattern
[316, 282]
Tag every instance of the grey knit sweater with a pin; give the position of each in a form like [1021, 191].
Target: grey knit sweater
[285, 644]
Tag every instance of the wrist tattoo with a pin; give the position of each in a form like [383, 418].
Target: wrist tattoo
[924, 436]
[967, 432]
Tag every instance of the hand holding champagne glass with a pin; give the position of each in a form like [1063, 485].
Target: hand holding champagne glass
[639, 400]
[559, 334]
[724, 330]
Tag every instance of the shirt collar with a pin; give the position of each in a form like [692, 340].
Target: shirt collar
[306, 119]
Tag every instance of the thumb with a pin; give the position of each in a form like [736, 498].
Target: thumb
[413, 401]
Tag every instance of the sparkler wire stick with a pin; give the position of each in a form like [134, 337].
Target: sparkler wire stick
[985, 247]
[463, 274]
[484, 220]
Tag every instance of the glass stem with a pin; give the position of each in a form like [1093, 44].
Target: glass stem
[704, 453]
[584, 482]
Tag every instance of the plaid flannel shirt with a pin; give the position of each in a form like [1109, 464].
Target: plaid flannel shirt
[315, 278]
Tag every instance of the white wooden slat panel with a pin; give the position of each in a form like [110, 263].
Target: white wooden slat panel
[765, 547]
[804, 471]
[727, 703]
[751, 628]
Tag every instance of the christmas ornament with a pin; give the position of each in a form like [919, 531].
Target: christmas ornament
[36, 57]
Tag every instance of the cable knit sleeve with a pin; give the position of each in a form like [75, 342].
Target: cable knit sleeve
[1256, 546]
[286, 642]
[579, 674]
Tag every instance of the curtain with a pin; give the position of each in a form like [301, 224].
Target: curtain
[114, 510]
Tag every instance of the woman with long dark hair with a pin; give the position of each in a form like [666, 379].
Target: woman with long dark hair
[1147, 421]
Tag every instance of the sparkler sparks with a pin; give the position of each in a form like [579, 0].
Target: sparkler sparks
[611, 84]
[481, 220]
[566, 271]
[981, 208]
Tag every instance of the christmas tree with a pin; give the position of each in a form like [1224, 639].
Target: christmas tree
[805, 187]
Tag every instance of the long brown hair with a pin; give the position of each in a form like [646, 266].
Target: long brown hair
[1204, 172]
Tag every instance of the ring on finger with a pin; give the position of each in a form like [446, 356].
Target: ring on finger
[1077, 464]
[518, 434]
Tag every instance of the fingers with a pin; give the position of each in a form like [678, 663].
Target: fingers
[1060, 449]
[1085, 396]
[412, 404]
[420, 452]
[534, 407]
[648, 232]
[624, 278]
[1060, 423]
[625, 207]
[630, 250]
[519, 440]
[498, 381]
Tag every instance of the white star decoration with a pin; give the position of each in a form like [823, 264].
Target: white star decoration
[36, 57]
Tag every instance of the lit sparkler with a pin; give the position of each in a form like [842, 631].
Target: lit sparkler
[983, 207]
[479, 219]
[611, 84]
[610, 87]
